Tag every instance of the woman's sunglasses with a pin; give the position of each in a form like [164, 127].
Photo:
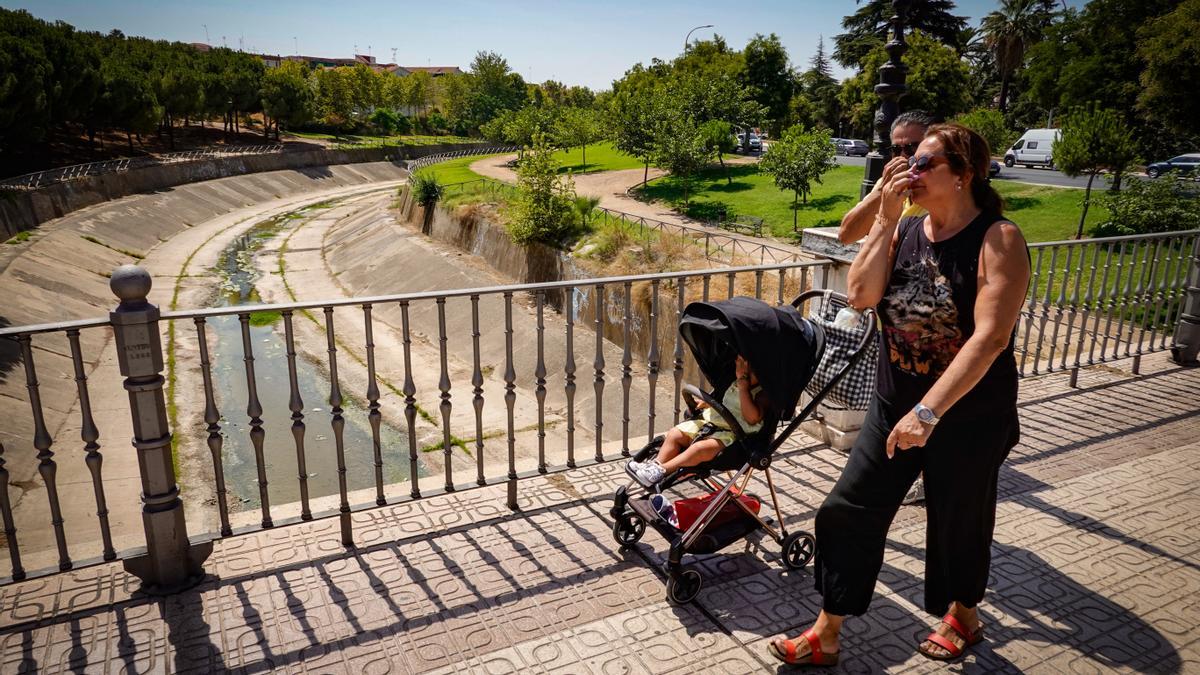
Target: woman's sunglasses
[907, 150]
[925, 162]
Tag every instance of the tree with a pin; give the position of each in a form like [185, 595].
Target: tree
[819, 99]
[632, 115]
[579, 127]
[492, 88]
[718, 138]
[867, 28]
[1170, 50]
[1093, 139]
[1091, 55]
[1008, 32]
[545, 204]
[797, 161]
[679, 147]
[1148, 207]
[989, 123]
[937, 82]
[768, 77]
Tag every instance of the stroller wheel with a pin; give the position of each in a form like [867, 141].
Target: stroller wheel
[628, 530]
[798, 549]
[684, 588]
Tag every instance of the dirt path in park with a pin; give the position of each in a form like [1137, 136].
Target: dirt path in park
[611, 188]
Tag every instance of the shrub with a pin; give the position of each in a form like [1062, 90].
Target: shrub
[1149, 206]
[384, 121]
[426, 189]
[544, 210]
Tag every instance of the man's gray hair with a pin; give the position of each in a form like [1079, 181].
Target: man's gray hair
[920, 118]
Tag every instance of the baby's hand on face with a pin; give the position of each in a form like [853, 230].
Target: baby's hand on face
[741, 368]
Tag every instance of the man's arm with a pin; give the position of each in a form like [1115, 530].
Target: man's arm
[857, 222]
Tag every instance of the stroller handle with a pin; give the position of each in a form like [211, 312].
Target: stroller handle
[691, 392]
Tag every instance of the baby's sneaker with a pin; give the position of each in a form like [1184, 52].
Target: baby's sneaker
[650, 472]
[635, 466]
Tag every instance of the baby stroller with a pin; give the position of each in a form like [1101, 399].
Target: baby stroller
[784, 349]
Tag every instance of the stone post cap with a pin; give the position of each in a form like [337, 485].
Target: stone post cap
[131, 284]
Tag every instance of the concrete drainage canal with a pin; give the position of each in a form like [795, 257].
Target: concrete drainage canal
[239, 274]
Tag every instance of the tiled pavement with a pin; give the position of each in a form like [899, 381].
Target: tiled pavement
[1096, 568]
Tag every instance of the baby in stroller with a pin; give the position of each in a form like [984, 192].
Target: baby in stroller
[696, 441]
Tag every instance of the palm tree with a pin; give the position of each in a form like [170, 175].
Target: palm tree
[1009, 32]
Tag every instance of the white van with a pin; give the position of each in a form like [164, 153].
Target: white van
[1035, 146]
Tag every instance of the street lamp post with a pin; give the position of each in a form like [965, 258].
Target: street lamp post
[687, 39]
[891, 87]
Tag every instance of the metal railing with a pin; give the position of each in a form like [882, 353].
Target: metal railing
[1097, 300]
[422, 162]
[40, 179]
[419, 387]
[428, 371]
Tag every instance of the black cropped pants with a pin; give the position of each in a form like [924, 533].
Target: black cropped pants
[961, 462]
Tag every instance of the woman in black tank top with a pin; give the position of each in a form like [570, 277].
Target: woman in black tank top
[948, 288]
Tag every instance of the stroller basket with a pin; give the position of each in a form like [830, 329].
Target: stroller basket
[784, 349]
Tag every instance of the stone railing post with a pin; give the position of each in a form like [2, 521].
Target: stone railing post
[1186, 345]
[171, 562]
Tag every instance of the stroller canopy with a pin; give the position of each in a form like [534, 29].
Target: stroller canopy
[780, 345]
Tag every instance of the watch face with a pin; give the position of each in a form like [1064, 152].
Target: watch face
[925, 414]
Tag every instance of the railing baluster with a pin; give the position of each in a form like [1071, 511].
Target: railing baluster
[338, 423]
[510, 399]
[373, 415]
[731, 278]
[678, 361]
[652, 359]
[410, 402]
[445, 406]
[1059, 309]
[254, 412]
[10, 528]
[477, 391]
[1098, 304]
[1176, 287]
[212, 418]
[89, 435]
[539, 372]
[569, 372]
[1145, 297]
[598, 366]
[758, 279]
[626, 366]
[1086, 305]
[1121, 295]
[1045, 311]
[42, 441]
[782, 279]
[296, 406]
[1110, 302]
[1160, 294]
[705, 288]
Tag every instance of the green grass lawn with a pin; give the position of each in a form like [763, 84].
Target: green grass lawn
[454, 170]
[1044, 213]
[600, 157]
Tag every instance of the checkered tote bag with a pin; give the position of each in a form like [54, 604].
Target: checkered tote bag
[855, 390]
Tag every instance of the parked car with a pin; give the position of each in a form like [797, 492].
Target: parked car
[1186, 165]
[994, 169]
[755, 144]
[853, 146]
[1035, 146]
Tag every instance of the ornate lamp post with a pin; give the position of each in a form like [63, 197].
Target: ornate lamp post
[687, 40]
[890, 88]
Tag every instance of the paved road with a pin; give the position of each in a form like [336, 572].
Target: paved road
[1018, 173]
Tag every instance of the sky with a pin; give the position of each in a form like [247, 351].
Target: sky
[575, 41]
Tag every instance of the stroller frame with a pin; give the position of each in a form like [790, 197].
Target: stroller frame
[632, 512]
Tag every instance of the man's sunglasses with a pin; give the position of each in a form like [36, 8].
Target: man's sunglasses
[925, 162]
[907, 150]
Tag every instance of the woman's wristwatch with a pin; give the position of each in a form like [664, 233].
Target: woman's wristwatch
[925, 414]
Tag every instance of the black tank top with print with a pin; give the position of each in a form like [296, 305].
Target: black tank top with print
[928, 312]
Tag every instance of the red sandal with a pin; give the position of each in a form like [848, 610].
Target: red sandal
[969, 640]
[814, 657]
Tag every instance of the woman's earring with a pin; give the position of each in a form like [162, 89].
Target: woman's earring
[958, 186]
